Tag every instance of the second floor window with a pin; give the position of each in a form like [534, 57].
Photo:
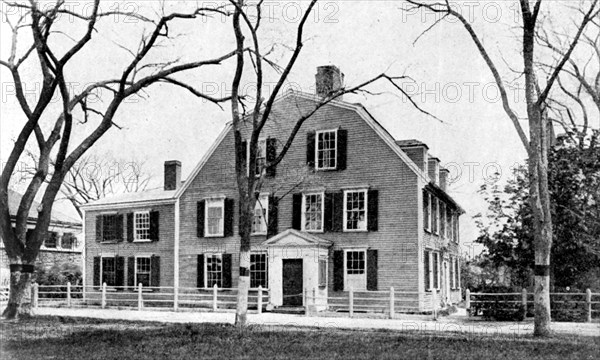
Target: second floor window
[326, 150]
[214, 217]
[142, 225]
[355, 210]
[111, 227]
[312, 214]
[260, 218]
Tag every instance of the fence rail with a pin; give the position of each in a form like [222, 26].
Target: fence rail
[568, 305]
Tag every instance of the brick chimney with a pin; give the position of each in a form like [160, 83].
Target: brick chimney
[444, 175]
[172, 174]
[434, 169]
[416, 151]
[329, 79]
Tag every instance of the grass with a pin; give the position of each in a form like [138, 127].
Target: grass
[78, 338]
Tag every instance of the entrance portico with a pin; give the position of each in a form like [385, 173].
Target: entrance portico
[297, 264]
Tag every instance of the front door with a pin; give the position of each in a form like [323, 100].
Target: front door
[292, 282]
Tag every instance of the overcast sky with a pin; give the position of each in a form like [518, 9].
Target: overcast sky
[363, 38]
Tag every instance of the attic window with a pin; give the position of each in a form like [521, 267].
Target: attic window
[326, 150]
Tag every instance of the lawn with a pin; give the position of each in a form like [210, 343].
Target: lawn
[77, 338]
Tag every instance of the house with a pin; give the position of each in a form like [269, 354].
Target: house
[375, 214]
[61, 244]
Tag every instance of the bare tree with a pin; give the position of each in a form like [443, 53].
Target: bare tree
[538, 142]
[53, 56]
[251, 124]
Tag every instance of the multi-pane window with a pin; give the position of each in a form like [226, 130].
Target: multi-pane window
[260, 218]
[142, 225]
[214, 217]
[312, 216]
[51, 240]
[258, 270]
[214, 271]
[326, 150]
[142, 271]
[110, 228]
[355, 210]
[109, 271]
[426, 211]
[355, 262]
[69, 241]
[432, 270]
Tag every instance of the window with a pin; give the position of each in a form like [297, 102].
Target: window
[258, 271]
[456, 228]
[434, 214]
[312, 214]
[427, 272]
[322, 272]
[356, 270]
[355, 210]
[326, 150]
[142, 271]
[214, 270]
[449, 224]
[109, 271]
[69, 241]
[111, 227]
[426, 211]
[214, 217]
[436, 270]
[442, 219]
[452, 274]
[432, 270]
[142, 226]
[51, 240]
[259, 221]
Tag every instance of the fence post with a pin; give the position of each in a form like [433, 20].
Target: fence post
[175, 298]
[314, 297]
[434, 303]
[35, 295]
[392, 302]
[304, 301]
[588, 301]
[524, 300]
[215, 291]
[351, 302]
[140, 299]
[103, 303]
[468, 300]
[259, 301]
[69, 294]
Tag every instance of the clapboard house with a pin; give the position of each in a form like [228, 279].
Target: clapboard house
[374, 214]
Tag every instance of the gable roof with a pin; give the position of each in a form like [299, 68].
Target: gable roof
[56, 218]
[293, 235]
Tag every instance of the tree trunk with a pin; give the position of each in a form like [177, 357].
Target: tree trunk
[243, 286]
[19, 298]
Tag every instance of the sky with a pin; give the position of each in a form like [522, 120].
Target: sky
[474, 139]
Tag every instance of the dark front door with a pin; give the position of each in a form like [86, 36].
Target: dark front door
[292, 282]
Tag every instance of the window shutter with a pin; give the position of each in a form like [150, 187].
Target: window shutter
[426, 272]
[155, 271]
[99, 219]
[130, 227]
[120, 270]
[272, 226]
[297, 211]
[228, 221]
[426, 210]
[436, 269]
[271, 155]
[131, 271]
[97, 260]
[200, 272]
[372, 270]
[373, 210]
[338, 270]
[451, 265]
[120, 234]
[226, 271]
[200, 218]
[154, 225]
[338, 212]
[328, 212]
[310, 149]
[342, 148]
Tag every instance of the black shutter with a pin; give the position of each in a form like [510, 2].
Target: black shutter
[200, 272]
[155, 271]
[271, 155]
[297, 211]
[228, 221]
[99, 220]
[310, 149]
[131, 271]
[342, 148]
[373, 210]
[226, 271]
[372, 270]
[200, 218]
[328, 212]
[97, 260]
[120, 271]
[154, 225]
[426, 270]
[338, 212]
[272, 226]
[130, 227]
[244, 156]
[120, 234]
[338, 270]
